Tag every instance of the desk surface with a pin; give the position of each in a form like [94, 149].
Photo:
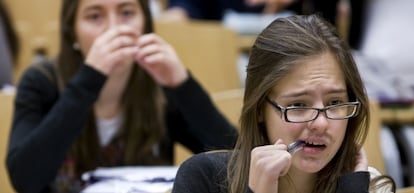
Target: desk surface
[6, 110]
[406, 190]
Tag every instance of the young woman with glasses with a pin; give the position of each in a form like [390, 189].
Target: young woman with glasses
[303, 90]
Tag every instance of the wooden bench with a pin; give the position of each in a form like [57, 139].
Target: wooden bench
[207, 49]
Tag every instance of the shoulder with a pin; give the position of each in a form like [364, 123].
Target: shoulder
[207, 164]
[210, 161]
[38, 79]
[203, 172]
[44, 70]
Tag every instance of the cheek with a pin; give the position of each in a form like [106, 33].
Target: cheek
[277, 128]
[137, 24]
[86, 35]
[338, 132]
[341, 129]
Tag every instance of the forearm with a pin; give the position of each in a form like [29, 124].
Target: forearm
[41, 137]
[203, 118]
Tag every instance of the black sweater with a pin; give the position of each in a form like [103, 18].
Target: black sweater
[46, 123]
[207, 173]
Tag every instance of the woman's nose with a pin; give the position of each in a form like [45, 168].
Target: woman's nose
[320, 124]
[112, 21]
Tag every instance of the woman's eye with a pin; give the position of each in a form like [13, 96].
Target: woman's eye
[336, 102]
[296, 105]
[128, 13]
[93, 16]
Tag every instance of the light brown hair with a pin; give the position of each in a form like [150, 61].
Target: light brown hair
[142, 102]
[278, 49]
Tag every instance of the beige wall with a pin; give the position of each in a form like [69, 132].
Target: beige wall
[36, 23]
[6, 110]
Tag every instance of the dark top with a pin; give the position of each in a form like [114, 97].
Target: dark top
[215, 10]
[207, 172]
[212, 9]
[46, 123]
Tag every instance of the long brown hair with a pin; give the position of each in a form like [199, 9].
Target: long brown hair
[142, 102]
[277, 50]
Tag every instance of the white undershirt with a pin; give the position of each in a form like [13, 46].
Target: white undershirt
[108, 128]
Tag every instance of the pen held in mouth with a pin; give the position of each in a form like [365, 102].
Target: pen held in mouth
[295, 146]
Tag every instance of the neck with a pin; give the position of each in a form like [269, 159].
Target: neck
[109, 101]
[297, 181]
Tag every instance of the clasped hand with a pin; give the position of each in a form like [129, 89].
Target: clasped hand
[270, 162]
[122, 46]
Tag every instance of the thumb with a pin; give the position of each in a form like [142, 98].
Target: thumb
[279, 141]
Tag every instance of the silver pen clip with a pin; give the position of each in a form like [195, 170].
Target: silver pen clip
[295, 146]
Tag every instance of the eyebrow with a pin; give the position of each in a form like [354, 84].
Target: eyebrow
[124, 4]
[97, 7]
[307, 91]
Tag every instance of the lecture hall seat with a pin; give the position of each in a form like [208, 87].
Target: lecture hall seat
[6, 110]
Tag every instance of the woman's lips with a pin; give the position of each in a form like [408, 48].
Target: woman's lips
[313, 148]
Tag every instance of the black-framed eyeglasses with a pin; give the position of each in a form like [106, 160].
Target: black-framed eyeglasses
[305, 114]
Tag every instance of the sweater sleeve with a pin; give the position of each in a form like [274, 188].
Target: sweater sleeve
[45, 125]
[202, 123]
[356, 182]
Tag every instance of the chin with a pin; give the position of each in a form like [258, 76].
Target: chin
[310, 165]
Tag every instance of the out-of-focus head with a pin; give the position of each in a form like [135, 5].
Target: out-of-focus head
[81, 21]
[84, 20]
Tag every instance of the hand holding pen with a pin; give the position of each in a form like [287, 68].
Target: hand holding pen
[269, 162]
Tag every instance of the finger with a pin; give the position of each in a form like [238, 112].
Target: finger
[115, 58]
[273, 147]
[274, 164]
[281, 161]
[129, 51]
[147, 50]
[153, 58]
[115, 32]
[279, 141]
[120, 42]
[280, 144]
[268, 151]
[149, 39]
[286, 160]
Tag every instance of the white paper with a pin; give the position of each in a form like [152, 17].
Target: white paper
[131, 179]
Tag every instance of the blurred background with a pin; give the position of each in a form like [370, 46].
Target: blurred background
[214, 41]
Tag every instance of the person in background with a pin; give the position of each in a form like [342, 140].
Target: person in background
[9, 47]
[303, 89]
[215, 10]
[117, 95]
